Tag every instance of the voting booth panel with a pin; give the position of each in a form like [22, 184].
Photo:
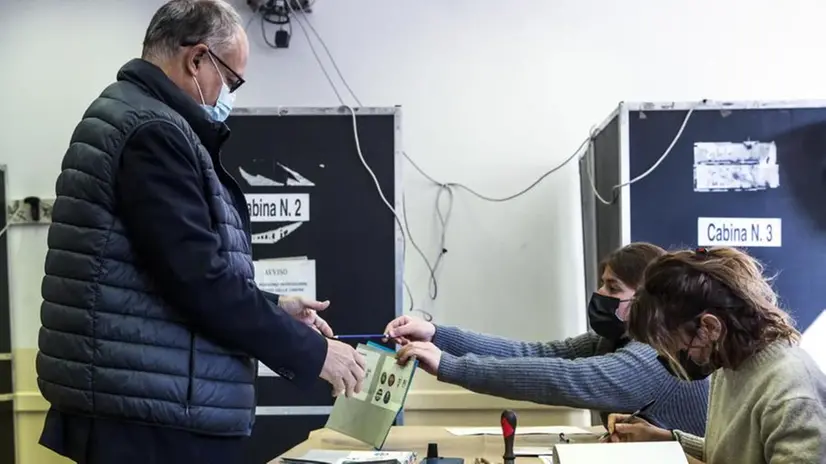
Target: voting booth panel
[7, 424]
[749, 174]
[319, 229]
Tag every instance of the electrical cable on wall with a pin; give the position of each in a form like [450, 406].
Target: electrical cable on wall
[405, 231]
[448, 187]
[326, 51]
[589, 163]
[443, 217]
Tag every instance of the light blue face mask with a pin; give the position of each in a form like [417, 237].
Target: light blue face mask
[223, 106]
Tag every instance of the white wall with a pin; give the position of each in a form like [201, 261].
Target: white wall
[493, 93]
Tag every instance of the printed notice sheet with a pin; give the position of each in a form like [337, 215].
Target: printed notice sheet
[368, 415]
[287, 276]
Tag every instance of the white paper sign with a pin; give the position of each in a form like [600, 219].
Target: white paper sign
[279, 207]
[739, 232]
[286, 276]
[735, 166]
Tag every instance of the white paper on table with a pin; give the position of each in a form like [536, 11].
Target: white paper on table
[533, 451]
[547, 459]
[663, 452]
[286, 276]
[339, 456]
[814, 340]
[549, 430]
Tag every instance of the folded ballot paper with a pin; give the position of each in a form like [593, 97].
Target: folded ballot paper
[663, 452]
[353, 457]
[368, 416]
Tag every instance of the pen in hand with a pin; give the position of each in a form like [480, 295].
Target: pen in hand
[630, 418]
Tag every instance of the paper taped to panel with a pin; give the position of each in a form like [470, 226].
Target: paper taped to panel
[292, 179]
[735, 166]
[275, 235]
[286, 276]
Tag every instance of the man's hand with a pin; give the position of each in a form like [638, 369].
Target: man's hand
[305, 310]
[623, 427]
[343, 368]
[406, 329]
[426, 353]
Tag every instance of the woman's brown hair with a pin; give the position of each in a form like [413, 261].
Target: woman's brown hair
[679, 287]
[629, 262]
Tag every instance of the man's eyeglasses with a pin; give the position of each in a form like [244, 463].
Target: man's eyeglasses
[237, 80]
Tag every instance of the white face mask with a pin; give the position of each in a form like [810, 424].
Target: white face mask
[223, 106]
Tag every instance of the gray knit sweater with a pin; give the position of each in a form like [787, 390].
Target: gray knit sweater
[586, 371]
[772, 409]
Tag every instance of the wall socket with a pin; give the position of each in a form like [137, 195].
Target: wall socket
[20, 211]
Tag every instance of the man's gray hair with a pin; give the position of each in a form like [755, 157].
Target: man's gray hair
[214, 23]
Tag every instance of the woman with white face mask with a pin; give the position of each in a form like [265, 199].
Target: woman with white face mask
[710, 312]
[600, 370]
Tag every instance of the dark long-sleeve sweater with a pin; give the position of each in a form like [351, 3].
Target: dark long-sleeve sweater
[586, 371]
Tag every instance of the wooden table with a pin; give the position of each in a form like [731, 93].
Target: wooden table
[416, 438]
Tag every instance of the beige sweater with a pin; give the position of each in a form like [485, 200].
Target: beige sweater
[770, 410]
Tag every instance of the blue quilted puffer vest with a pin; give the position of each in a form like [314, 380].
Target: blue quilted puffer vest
[109, 345]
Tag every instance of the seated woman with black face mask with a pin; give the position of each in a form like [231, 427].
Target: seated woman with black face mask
[598, 370]
[711, 312]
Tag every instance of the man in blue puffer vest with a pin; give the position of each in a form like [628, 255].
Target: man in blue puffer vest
[152, 321]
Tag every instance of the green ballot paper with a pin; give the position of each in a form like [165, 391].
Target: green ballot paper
[368, 416]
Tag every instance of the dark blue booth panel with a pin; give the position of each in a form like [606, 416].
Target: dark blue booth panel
[665, 208]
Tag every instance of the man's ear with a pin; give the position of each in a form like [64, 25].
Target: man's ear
[711, 328]
[194, 57]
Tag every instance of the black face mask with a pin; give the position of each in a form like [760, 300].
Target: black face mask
[695, 371]
[602, 316]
